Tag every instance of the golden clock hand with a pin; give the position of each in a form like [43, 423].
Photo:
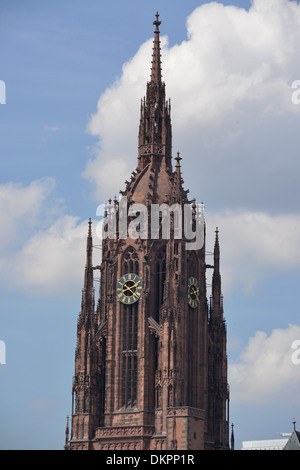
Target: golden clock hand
[127, 288]
[136, 295]
[135, 284]
[196, 291]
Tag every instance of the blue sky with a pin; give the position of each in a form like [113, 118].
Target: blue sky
[74, 75]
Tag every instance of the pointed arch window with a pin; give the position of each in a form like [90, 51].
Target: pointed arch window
[160, 280]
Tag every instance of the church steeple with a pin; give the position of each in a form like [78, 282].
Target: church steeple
[148, 362]
[217, 254]
[218, 386]
[83, 406]
[217, 299]
[156, 62]
[88, 290]
[155, 133]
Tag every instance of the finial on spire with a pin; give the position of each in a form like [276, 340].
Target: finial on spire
[178, 158]
[157, 23]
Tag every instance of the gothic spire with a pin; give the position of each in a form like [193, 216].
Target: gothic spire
[89, 247]
[217, 299]
[155, 132]
[156, 62]
[85, 373]
[217, 253]
[232, 437]
[88, 290]
[67, 435]
[177, 190]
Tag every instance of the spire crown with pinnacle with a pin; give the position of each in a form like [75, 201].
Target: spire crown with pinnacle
[156, 61]
[155, 131]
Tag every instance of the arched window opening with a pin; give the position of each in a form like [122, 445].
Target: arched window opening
[129, 337]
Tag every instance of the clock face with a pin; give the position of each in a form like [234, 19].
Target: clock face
[193, 292]
[129, 288]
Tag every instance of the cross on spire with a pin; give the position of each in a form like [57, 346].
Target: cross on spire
[157, 23]
[178, 158]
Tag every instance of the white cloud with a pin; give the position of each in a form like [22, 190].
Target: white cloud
[42, 249]
[266, 371]
[52, 260]
[233, 118]
[253, 246]
[20, 208]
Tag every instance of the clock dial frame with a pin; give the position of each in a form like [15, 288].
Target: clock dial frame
[129, 288]
[193, 292]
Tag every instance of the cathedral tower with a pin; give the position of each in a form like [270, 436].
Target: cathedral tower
[150, 361]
